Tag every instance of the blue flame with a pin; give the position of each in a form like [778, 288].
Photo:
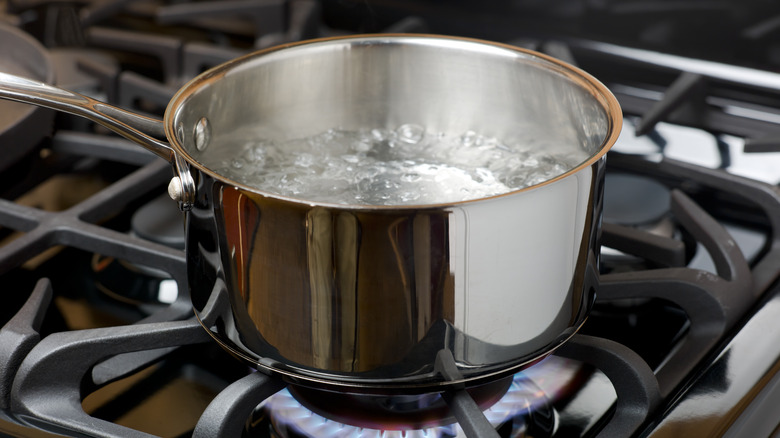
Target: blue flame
[534, 387]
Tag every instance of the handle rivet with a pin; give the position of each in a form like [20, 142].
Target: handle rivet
[202, 133]
[175, 189]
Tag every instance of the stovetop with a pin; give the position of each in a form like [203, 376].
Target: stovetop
[98, 337]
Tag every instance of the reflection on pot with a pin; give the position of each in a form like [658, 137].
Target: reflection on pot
[371, 295]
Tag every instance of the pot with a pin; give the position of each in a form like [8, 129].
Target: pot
[381, 298]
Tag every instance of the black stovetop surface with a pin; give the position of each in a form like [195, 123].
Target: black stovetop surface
[97, 334]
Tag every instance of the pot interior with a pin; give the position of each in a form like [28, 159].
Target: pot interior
[445, 85]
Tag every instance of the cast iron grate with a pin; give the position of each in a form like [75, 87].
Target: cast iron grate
[44, 378]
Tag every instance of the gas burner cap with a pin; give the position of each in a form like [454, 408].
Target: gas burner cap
[634, 199]
[159, 221]
[411, 416]
[392, 412]
[528, 403]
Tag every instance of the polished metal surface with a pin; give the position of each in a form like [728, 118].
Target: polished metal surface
[367, 296]
[125, 123]
[140, 129]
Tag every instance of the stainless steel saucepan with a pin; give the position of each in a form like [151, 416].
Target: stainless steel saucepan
[367, 297]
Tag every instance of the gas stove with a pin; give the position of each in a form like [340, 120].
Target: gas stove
[98, 336]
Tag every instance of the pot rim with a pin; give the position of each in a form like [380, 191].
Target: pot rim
[597, 89]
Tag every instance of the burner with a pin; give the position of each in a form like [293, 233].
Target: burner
[158, 221]
[393, 412]
[637, 204]
[523, 405]
[634, 199]
[509, 410]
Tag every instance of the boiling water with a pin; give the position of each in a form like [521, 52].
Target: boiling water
[405, 166]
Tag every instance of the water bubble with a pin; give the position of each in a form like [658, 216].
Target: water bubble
[410, 133]
[249, 153]
[481, 175]
[379, 134]
[469, 138]
[351, 158]
[372, 171]
[362, 146]
[489, 142]
[410, 177]
[237, 163]
[320, 141]
[408, 197]
[530, 162]
[304, 160]
[536, 179]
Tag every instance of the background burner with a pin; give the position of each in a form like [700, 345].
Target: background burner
[634, 200]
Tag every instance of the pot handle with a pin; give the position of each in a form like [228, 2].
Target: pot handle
[138, 128]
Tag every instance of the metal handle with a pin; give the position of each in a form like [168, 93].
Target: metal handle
[135, 127]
